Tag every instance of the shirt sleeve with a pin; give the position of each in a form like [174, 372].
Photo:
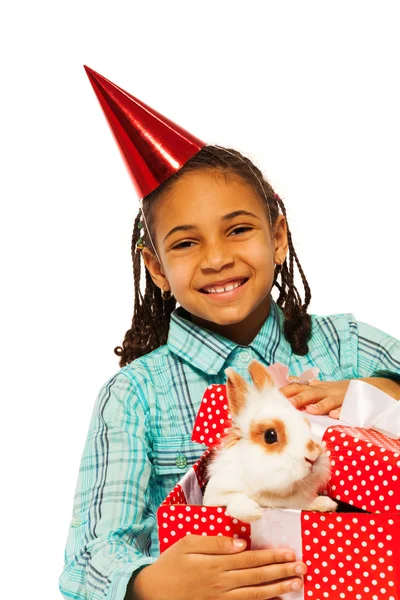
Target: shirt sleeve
[110, 533]
[374, 353]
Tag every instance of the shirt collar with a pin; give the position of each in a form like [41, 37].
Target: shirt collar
[208, 351]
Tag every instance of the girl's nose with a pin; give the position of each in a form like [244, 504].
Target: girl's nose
[217, 256]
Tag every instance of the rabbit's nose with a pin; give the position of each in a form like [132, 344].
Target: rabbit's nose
[310, 460]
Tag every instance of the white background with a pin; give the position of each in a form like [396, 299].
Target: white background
[309, 90]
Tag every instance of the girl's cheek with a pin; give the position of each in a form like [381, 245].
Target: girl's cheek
[179, 280]
[260, 258]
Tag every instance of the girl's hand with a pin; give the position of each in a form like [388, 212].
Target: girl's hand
[212, 568]
[319, 397]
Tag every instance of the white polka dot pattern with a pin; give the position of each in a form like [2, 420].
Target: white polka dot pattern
[176, 519]
[365, 468]
[351, 556]
[213, 419]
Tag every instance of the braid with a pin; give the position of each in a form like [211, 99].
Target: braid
[297, 325]
[151, 317]
[150, 322]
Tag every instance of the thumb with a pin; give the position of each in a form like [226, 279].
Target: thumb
[217, 544]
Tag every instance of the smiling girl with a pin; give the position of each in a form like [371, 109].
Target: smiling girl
[215, 241]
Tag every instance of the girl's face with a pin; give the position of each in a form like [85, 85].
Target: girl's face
[213, 234]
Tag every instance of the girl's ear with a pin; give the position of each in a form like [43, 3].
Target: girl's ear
[260, 375]
[280, 240]
[237, 390]
[154, 268]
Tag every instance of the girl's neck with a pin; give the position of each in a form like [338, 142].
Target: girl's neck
[242, 333]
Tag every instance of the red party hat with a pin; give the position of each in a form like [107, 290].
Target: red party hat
[153, 147]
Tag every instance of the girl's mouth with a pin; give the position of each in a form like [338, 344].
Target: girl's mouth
[225, 292]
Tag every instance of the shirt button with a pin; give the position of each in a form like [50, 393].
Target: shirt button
[181, 461]
[245, 356]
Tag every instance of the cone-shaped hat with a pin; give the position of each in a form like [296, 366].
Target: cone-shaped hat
[153, 147]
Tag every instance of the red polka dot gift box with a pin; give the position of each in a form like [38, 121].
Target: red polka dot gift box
[365, 469]
[350, 555]
[365, 457]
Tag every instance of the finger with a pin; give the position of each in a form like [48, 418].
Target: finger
[265, 592]
[252, 559]
[264, 575]
[292, 389]
[334, 414]
[218, 544]
[309, 396]
[324, 406]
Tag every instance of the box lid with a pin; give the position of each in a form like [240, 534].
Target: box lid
[213, 419]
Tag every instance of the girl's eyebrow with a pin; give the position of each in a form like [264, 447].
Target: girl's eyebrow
[227, 217]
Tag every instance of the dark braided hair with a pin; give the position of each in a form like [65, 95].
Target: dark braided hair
[150, 323]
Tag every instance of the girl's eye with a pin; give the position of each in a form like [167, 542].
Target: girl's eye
[188, 244]
[182, 246]
[239, 230]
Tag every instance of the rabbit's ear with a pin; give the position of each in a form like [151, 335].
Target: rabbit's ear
[237, 389]
[260, 375]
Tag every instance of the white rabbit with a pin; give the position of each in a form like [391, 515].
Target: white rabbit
[268, 458]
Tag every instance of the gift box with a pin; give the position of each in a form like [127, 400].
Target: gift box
[349, 555]
[365, 463]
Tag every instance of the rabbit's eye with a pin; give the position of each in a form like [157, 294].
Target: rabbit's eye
[271, 436]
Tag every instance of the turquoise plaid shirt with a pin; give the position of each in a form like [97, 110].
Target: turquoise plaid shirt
[140, 430]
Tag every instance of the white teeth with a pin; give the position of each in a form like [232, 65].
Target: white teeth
[220, 290]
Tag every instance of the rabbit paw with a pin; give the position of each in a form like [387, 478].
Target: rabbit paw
[323, 504]
[244, 508]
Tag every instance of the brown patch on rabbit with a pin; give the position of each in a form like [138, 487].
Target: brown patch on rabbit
[270, 434]
[237, 389]
[259, 375]
[312, 446]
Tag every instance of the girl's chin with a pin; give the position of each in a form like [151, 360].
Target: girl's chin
[224, 316]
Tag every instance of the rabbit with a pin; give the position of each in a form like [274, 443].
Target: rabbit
[268, 458]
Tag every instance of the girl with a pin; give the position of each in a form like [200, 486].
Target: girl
[214, 239]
